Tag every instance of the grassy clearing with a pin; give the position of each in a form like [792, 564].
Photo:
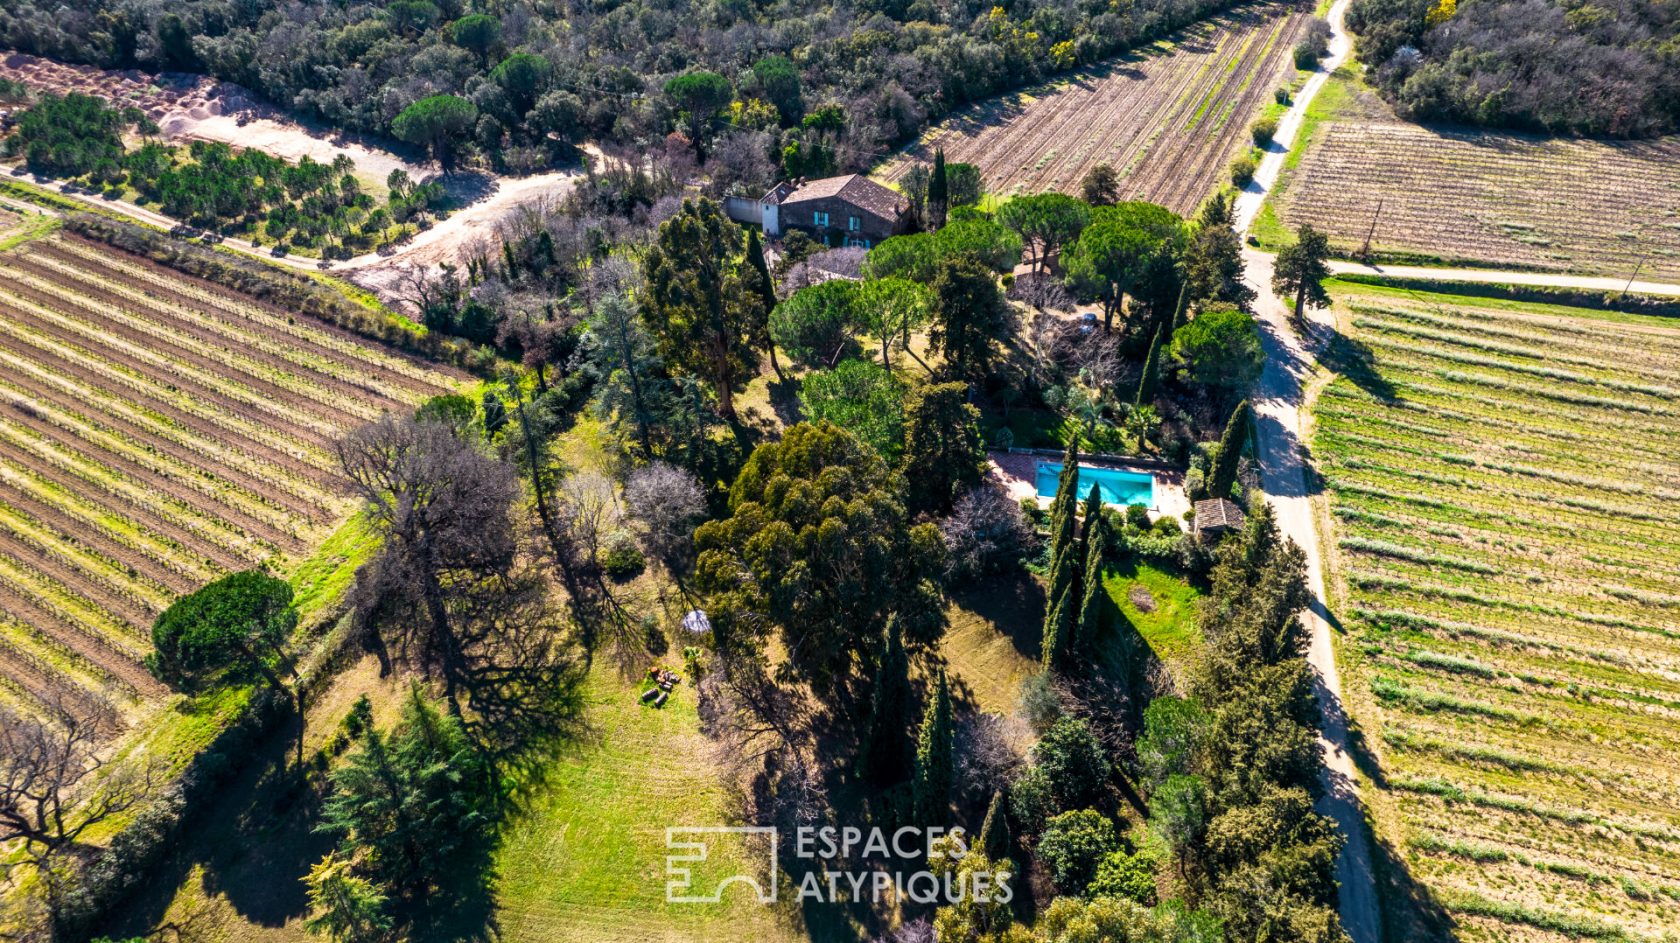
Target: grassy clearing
[1501, 491]
[586, 859]
[994, 641]
[321, 580]
[1160, 605]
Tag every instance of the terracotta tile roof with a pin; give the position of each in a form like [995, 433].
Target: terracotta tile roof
[856, 189]
[1218, 512]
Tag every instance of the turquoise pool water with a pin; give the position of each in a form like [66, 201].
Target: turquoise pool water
[1115, 486]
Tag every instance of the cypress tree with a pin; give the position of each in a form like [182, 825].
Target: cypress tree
[1151, 370]
[1064, 553]
[1058, 628]
[1065, 557]
[766, 291]
[939, 192]
[1062, 507]
[1091, 515]
[1066, 479]
[994, 832]
[1177, 319]
[1230, 449]
[495, 414]
[886, 751]
[1090, 606]
[932, 793]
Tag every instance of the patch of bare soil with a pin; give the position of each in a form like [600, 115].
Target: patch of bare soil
[1142, 598]
[464, 233]
[186, 106]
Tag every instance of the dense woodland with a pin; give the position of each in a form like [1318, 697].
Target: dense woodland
[818, 85]
[1604, 67]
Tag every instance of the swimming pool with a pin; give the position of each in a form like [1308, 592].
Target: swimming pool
[1115, 486]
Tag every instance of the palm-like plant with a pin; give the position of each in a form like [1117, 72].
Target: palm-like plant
[1140, 423]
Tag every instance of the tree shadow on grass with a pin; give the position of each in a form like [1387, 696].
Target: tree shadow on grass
[1014, 603]
[1409, 911]
[254, 845]
[1355, 360]
[784, 400]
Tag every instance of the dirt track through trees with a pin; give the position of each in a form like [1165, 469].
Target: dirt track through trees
[157, 431]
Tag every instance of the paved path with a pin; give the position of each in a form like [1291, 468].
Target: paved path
[1278, 404]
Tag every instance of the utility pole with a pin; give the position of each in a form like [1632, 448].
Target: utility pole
[1365, 250]
[1635, 275]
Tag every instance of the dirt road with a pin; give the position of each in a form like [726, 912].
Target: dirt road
[197, 107]
[1540, 279]
[1279, 401]
[1279, 404]
[444, 242]
[464, 230]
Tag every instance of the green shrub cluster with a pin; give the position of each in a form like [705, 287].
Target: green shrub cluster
[307, 205]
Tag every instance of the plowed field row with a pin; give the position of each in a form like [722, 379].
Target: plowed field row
[52, 400]
[156, 395]
[255, 320]
[153, 561]
[186, 371]
[335, 396]
[155, 432]
[1169, 120]
[1495, 198]
[1505, 521]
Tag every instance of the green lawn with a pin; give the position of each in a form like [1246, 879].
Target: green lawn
[586, 859]
[996, 629]
[1159, 604]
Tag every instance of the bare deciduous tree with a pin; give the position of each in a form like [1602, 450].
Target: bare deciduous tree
[49, 793]
[443, 510]
[666, 501]
[762, 732]
[588, 509]
[985, 532]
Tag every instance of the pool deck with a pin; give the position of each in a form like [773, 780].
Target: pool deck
[1017, 472]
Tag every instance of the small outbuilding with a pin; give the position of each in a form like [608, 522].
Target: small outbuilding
[696, 623]
[1217, 516]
